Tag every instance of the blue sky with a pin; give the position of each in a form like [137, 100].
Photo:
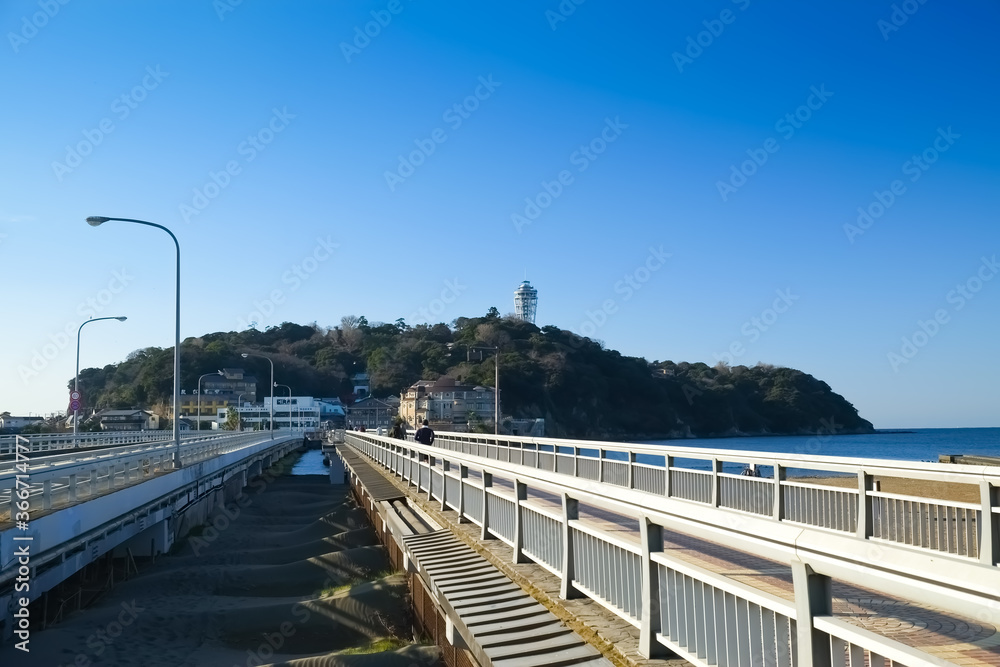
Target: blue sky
[697, 171]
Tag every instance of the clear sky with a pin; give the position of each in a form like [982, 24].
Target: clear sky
[679, 180]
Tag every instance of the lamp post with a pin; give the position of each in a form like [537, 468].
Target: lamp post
[496, 391]
[250, 354]
[96, 220]
[239, 415]
[76, 378]
[289, 403]
[199, 395]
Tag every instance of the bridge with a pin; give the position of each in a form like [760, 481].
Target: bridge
[696, 559]
[66, 503]
[527, 546]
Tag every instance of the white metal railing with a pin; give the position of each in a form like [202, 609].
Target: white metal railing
[704, 616]
[50, 442]
[69, 476]
[710, 477]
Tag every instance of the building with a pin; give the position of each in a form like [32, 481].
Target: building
[525, 302]
[12, 424]
[218, 393]
[295, 412]
[362, 384]
[232, 381]
[370, 413]
[447, 405]
[128, 420]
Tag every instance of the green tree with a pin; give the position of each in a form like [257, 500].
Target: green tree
[232, 422]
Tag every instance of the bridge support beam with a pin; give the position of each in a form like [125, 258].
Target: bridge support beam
[813, 597]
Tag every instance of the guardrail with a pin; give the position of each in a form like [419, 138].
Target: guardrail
[79, 474]
[59, 441]
[700, 475]
[700, 615]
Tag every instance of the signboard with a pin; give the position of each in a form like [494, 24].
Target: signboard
[74, 405]
[74, 395]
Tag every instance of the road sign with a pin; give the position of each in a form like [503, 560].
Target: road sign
[74, 405]
[74, 395]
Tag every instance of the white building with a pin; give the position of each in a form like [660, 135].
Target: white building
[294, 412]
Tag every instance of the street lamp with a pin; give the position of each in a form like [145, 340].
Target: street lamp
[96, 220]
[289, 403]
[251, 354]
[496, 391]
[239, 414]
[76, 378]
[199, 395]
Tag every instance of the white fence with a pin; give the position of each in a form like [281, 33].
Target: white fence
[69, 476]
[926, 551]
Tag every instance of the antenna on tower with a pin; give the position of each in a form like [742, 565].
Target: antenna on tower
[525, 301]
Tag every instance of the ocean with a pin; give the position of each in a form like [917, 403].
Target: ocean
[921, 444]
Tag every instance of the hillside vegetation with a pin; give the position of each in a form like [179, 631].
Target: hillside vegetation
[581, 389]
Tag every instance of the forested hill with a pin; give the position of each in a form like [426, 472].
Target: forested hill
[581, 389]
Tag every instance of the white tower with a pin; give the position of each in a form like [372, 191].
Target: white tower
[525, 302]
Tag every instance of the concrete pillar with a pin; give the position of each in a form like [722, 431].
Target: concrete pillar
[445, 468]
[865, 514]
[813, 597]
[520, 495]
[668, 463]
[651, 536]
[716, 469]
[778, 511]
[487, 484]
[570, 512]
[463, 474]
[989, 545]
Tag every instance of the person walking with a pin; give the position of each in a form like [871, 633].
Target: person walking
[398, 431]
[424, 435]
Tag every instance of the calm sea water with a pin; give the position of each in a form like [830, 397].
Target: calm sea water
[924, 444]
[310, 463]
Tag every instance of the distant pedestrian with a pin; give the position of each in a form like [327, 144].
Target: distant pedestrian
[424, 435]
[398, 431]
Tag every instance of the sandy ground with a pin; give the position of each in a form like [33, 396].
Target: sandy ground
[294, 578]
[966, 493]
